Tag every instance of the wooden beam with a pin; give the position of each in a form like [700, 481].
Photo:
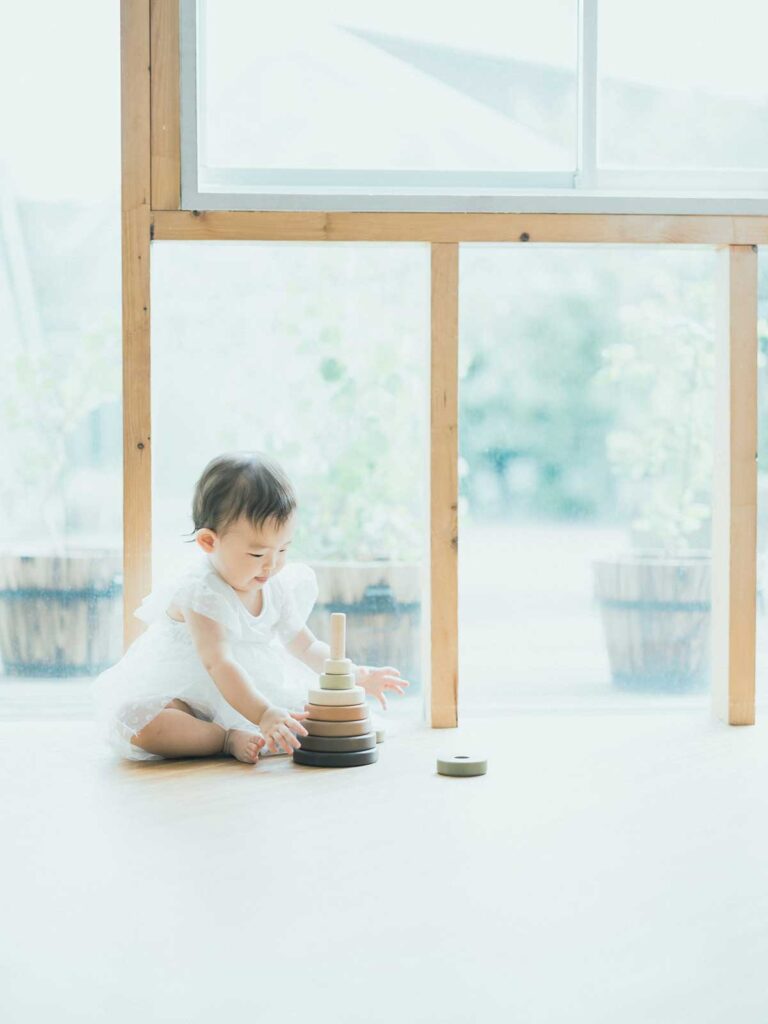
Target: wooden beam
[136, 225]
[734, 515]
[165, 105]
[462, 227]
[444, 487]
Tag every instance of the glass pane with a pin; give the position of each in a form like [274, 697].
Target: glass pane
[60, 406]
[586, 408]
[319, 356]
[680, 88]
[385, 94]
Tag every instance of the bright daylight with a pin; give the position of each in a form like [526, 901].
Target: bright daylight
[384, 483]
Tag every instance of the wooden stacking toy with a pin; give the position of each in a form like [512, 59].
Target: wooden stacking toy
[341, 734]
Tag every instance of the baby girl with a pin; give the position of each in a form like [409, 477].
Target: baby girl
[227, 652]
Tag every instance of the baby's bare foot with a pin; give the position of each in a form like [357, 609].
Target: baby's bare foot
[245, 746]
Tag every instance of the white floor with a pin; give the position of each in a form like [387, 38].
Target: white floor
[607, 869]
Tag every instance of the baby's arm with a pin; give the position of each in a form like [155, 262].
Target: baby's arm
[216, 655]
[313, 652]
[236, 687]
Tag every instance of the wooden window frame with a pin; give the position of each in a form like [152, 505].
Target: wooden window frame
[151, 189]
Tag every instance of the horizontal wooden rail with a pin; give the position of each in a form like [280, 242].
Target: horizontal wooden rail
[629, 229]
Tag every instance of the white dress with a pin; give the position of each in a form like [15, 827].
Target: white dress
[162, 663]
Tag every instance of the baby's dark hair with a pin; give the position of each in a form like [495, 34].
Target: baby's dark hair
[239, 484]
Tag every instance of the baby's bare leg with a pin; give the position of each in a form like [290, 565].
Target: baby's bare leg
[175, 732]
[181, 705]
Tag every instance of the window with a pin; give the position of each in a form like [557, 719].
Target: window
[559, 105]
[682, 91]
[358, 93]
[586, 413]
[60, 407]
[318, 355]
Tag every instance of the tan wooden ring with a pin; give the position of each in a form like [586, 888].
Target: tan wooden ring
[350, 713]
[315, 728]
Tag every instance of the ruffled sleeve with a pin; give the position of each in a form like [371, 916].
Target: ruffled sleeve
[206, 594]
[153, 606]
[297, 595]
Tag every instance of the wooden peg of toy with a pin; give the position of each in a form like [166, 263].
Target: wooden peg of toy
[338, 635]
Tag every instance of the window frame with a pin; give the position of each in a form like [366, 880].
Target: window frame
[151, 179]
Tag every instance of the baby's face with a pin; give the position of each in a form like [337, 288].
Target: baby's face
[246, 556]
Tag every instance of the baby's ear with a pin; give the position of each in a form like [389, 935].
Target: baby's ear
[205, 539]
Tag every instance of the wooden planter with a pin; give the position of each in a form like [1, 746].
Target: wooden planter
[382, 601]
[60, 614]
[655, 611]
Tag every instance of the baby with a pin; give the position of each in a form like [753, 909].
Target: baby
[227, 651]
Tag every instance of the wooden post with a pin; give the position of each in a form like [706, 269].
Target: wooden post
[734, 513]
[444, 486]
[136, 227]
[165, 85]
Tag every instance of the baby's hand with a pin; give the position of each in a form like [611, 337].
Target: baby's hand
[277, 726]
[375, 680]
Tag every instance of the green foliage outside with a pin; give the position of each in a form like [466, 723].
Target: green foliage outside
[533, 421]
[49, 393]
[359, 454]
[661, 377]
[591, 397]
[585, 393]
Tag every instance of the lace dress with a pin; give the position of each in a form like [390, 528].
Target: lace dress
[162, 663]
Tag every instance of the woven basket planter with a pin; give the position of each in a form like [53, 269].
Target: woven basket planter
[655, 611]
[60, 614]
[382, 602]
